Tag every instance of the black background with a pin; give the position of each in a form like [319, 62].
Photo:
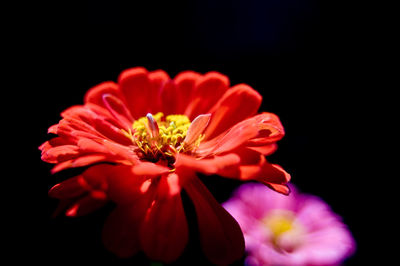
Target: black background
[307, 58]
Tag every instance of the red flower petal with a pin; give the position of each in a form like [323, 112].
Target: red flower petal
[135, 85]
[164, 232]
[86, 205]
[237, 104]
[169, 99]
[185, 84]
[259, 130]
[196, 128]
[121, 228]
[236, 136]
[95, 94]
[284, 189]
[208, 90]
[254, 166]
[149, 169]
[85, 191]
[53, 129]
[79, 162]
[157, 79]
[70, 188]
[118, 110]
[128, 183]
[59, 153]
[271, 130]
[220, 235]
[265, 150]
[273, 174]
[209, 166]
[91, 119]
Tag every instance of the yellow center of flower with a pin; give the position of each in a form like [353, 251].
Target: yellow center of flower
[159, 137]
[279, 222]
[286, 232]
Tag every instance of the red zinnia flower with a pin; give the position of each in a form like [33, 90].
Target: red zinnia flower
[141, 158]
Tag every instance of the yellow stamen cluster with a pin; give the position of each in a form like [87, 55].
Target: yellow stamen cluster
[171, 133]
[283, 225]
[279, 222]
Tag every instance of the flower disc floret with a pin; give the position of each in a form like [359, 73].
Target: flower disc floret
[160, 137]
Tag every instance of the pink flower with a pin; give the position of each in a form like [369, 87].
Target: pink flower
[291, 230]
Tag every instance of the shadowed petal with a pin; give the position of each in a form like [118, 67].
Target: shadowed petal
[121, 229]
[87, 204]
[220, 235]
[164, 232]
[70, 188]
[86, 192]
[79, 162]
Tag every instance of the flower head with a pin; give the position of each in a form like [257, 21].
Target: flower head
[297, 229]
[144, 139]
